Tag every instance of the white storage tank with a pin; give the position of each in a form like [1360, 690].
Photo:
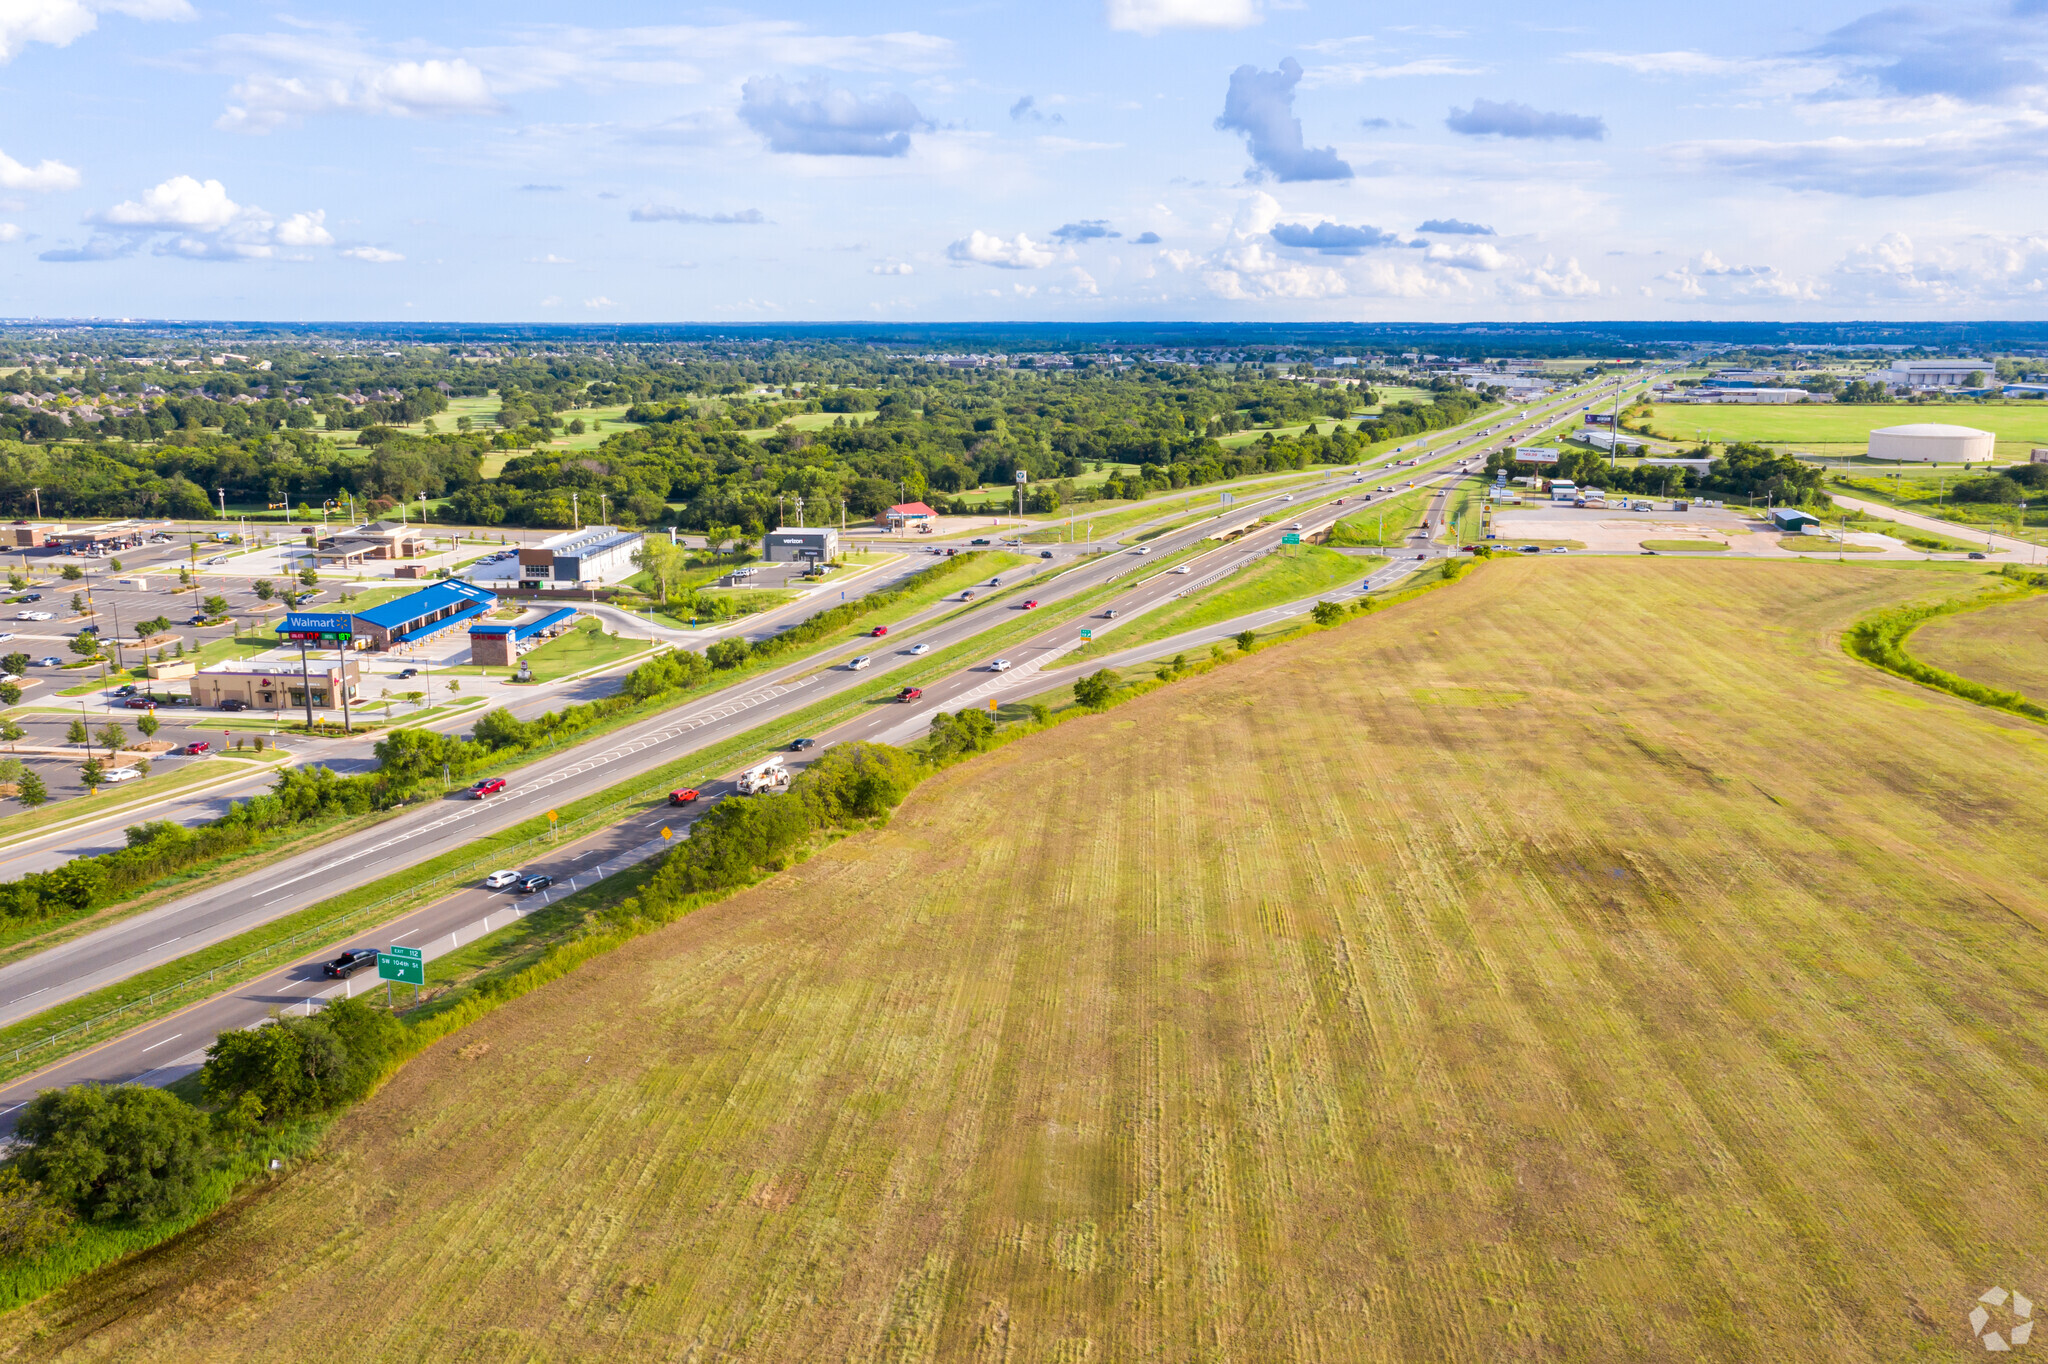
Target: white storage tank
[1933, 443]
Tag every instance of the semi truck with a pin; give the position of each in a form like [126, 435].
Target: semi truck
[767, 776]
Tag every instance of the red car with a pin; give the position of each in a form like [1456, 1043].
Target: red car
[879, 631]
[1031, 606]
[910, 693]
[489, 786]
[682, 797]
[196, 749]
[139, 703]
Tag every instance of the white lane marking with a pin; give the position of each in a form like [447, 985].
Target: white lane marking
[172, 1038]
[407, 934]
[168, 941]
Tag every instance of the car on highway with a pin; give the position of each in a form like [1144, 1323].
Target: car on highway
[1142, 549]
[1532, 549]
[1976, 554]
[802, 745]
[1109, 614]
[686, 796]
[979, 540]
[539, 880]
[1031, 605]
[489, 786]
[114, 774]
[995, 582]
[864, 661]
[350, 962]
[968, 595]
[999, 665]
[1295, 526]
[919, 649]
[1045, 554]
[910, 694]
[879, 631]
[1559, 549]
[198, 748]
[1288, 498]
[498, 880]
[1181, 568]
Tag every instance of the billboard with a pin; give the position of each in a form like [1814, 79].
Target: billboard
[301, 626]
[1599, 419]
[1535, 454]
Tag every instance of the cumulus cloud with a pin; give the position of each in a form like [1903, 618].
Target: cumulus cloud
[540, 189]
[1260, 105]
[1985, 270]
[1913, 52]
[196, 219]
[599, 302]
[1146, 239]
[1508, 119]
[1017, 253]
[1552, 280]
[1151, 16]
[1086, 230]
[1453, 227]
[43, 177]
[1709, 279]
[59, 23]
[373, 255]
[812, 119]
[425, 89]
[657, 213]
[891, 268]
[1470, 256]
[1331, 239]
[1026, 109]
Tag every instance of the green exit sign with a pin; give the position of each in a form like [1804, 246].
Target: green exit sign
[1290, 539]
[406, 965]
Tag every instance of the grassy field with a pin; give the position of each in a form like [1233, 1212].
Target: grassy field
[2002, 646]
[1690, 546]
[1385, 523]
[1421, 991]
[578, 650]
[1844, 429]
[1271, 581]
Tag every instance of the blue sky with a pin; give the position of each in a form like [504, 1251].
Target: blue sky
[1086, 159]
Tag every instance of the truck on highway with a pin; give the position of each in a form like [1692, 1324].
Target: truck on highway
[768, 776]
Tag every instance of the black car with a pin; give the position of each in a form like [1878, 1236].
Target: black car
[33, 596]
[404, 673]
[196, 620]
[799, 745]
[128, 690]
[234, 703]
[1976, 554]
[1045, 554]
[540, 880]
[348, 963]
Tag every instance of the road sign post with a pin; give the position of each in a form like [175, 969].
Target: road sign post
[407, 964]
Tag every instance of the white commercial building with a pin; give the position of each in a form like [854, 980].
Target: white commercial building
[596, 556]
[1935, 373]
[1933, 443]
[1754, 395]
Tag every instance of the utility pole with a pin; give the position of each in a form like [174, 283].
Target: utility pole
[575, 515]
[37, 494]
[306, 682]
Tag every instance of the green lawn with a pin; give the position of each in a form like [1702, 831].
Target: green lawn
[579, 650]
[1844, 428]
[1383, 523]
[1289, 575]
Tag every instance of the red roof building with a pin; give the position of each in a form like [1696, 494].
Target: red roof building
[907, 514]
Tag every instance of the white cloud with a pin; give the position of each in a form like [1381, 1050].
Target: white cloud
[1018, 253]
[1709, 279]
[426, 89]
[180, 201]
[549, 259]
[1554, 281]
[306, 229]
[61, 22]
[599, 302]
[893, 268]
[374, 255]
[10, 232]
[1151, 16]
[42, 177]
[1960, 157]
[1351, 73]
[1084, 283]
[1944, 276]
[1470, 256]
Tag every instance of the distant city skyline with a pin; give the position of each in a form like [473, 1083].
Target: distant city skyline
[1216, 160]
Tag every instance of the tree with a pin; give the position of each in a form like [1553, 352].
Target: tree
[92, 774]
[77, 733]
[264, 589]
[31, 1220]
[184, 576]
[1247, 641]
[309, 576]
[149, 725]
[16, 663]
[113, 737]
[10, 694]
[78, 603]
[114, 564]
[661, 561]
[125, 1151]
[1327, 613]
[216, 606]
[72, 573]
[32, 792]
[1094, 690]
[87, 645]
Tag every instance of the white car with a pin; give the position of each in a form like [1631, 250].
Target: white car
[35, 615]
[863, 661]
[920, 648]
[6, 634]
[498, 880]
[1142, 549]
[114, 774]
[1000, 665]
[1181, 568]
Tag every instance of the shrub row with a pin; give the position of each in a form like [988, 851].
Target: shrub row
[1880, 640]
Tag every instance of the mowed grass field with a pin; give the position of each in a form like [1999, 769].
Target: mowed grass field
[2001, 646]
[1844, 428]
[1588, 961]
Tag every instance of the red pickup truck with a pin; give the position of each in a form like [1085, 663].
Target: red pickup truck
[910, 693]
[489, 786]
